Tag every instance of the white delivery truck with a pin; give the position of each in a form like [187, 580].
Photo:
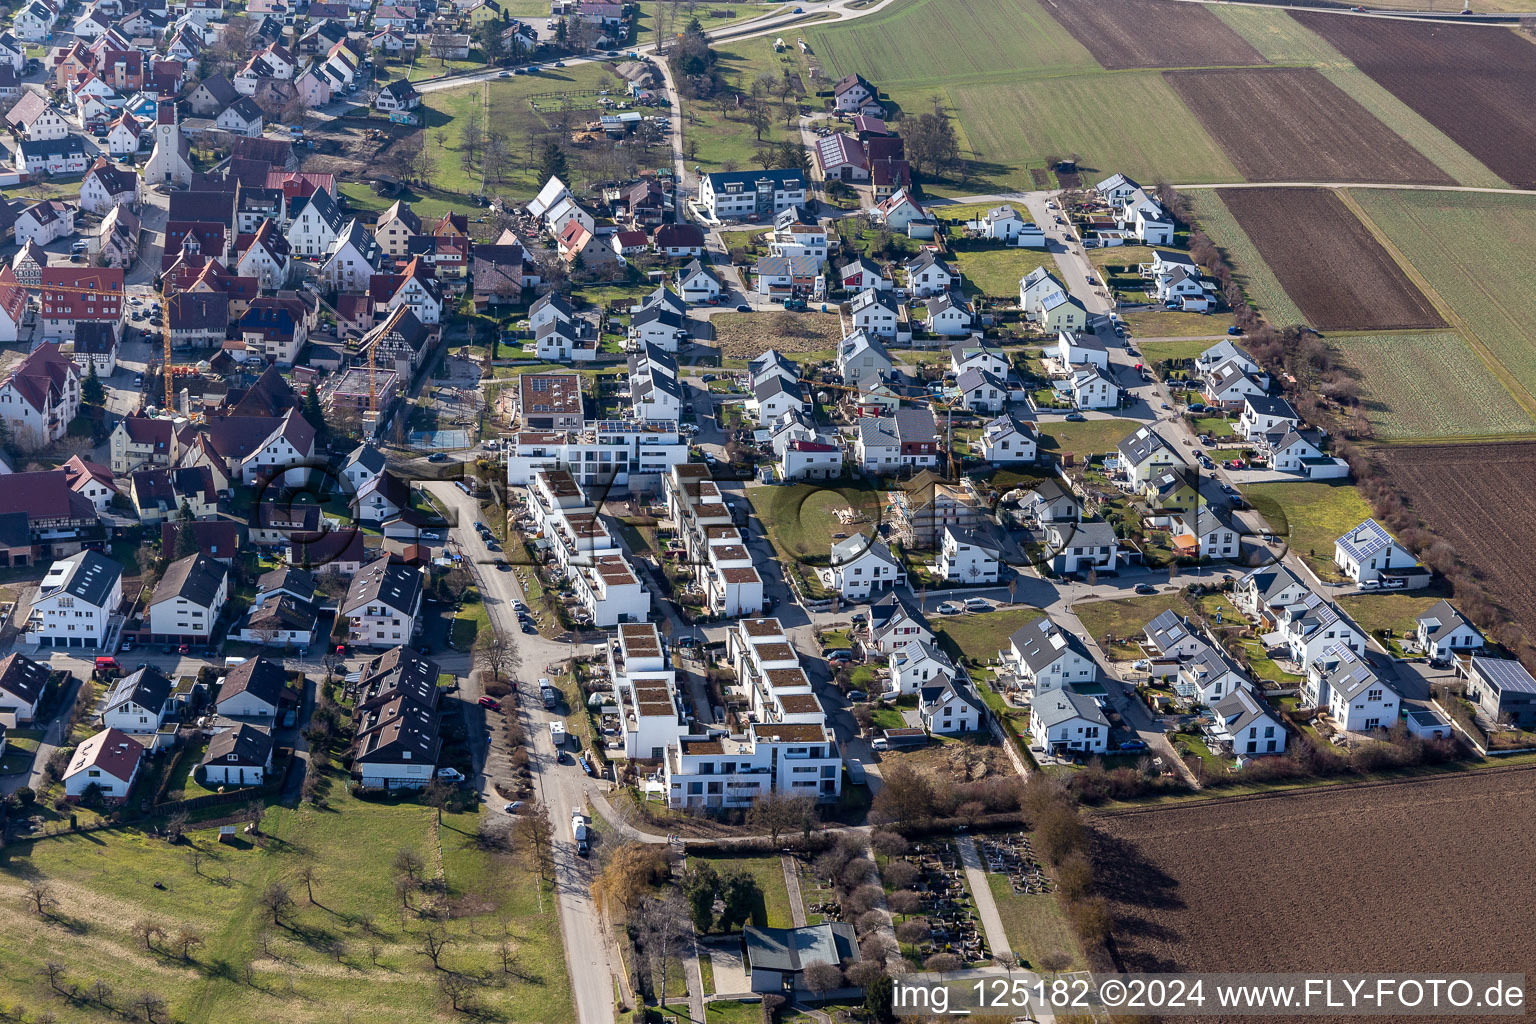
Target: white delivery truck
[579, 831]
[557, 734]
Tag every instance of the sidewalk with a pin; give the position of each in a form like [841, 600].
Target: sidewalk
[981, 892]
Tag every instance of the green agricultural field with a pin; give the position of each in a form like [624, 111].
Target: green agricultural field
[1278, 36]
[321, 967]
[1258, 281]
[1429, 385]
[1029, 91]
[1089, 437]
[1474, 249]
[995, 273]
[1310, 516]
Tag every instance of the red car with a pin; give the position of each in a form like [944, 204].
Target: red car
[184, 649]
[489, 702]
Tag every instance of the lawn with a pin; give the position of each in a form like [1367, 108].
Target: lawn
[887, 718]
[979, 635]
[1430, 385]
[1474, 250]
[1035, 925]
[801, 520]
[1397, 612]
[1258, 282]
[1264, 666]
[995, 273]
[1172, 323]
[1126, 617]
[20, 749]
[1310, 516]
[321, 964]
[184, 784]
[470, 621]
[525, 111]
[1089, 437]
[713, 138]
[768, 871]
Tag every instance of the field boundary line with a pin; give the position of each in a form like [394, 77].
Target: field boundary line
[1501, 373]
[1402, 186]
[1433, 775]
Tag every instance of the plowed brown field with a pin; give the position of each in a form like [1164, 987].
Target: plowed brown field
[1153, 34]
[1482, 499]
[1338, 275]
[1292, 124]
[1415, 876]
[1476, 84]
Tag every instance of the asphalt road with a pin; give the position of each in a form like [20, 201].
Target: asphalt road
[561, 787]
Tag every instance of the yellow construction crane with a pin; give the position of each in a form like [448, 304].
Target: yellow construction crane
[165, 336]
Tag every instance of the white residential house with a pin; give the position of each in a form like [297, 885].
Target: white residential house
[917, 664]
[1093, 388]
[1062, 720]
[316, 225]
[1443, 632]
[1264, 414]
[947, 709]
[76, 601]
[1001, 224]
[23, 682]
[106, 185]
[1076, 348]
[1367, 552]
[1261, 593]
[382, 604]
[108, 761]
[138, 703]
[45, 222]
[1008, 439]
[1312, 626]
[810, 460]
[862, 355]
[1145, 454]
[696, 283]
[875, 312]
[1208, 675]
[1168, 635]
[1205, 532]
[241, 756]
[188, 600]
[1357, 699]
[895, 621]
[982, 391]
[971, 557]
[949, 315]
[927, 275]
[1045, 656]
[862, 273]
[1084, 547]
[1246, 725]
[861, 566]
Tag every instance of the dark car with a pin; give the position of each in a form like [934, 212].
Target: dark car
[528, 629]
[437, 457]
[743, 308]
[503, 567]
[1145, 588]
[1134, 745]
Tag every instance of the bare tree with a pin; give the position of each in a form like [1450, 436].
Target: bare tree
[494, 652]
[1055, 962]
[152, 1004]
[436, 795]
[176, 826]
[276, 898]
[777, 813]
[254, 813]
[101, 993]
[188, 939]
[663, 924]
[306, 874]
[40, 896]
[374, 949]
[148, 931]
[459, 990]
[822, 978]
[433, 940]
[533, 831]
[53, 971]
[408, 863]
[440, 45]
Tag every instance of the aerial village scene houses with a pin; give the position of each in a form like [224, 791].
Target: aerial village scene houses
[501, 433]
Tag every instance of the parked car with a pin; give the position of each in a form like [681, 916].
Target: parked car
[489, 702]
[951, 608]
[515, 807]
[977, 604]
[1134, 745]
[743, 308]
[1145, 588]
[450, 775]
[438, 457]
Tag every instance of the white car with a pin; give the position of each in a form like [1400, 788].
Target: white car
[515, 807]
[450, 775]
[950, 608]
